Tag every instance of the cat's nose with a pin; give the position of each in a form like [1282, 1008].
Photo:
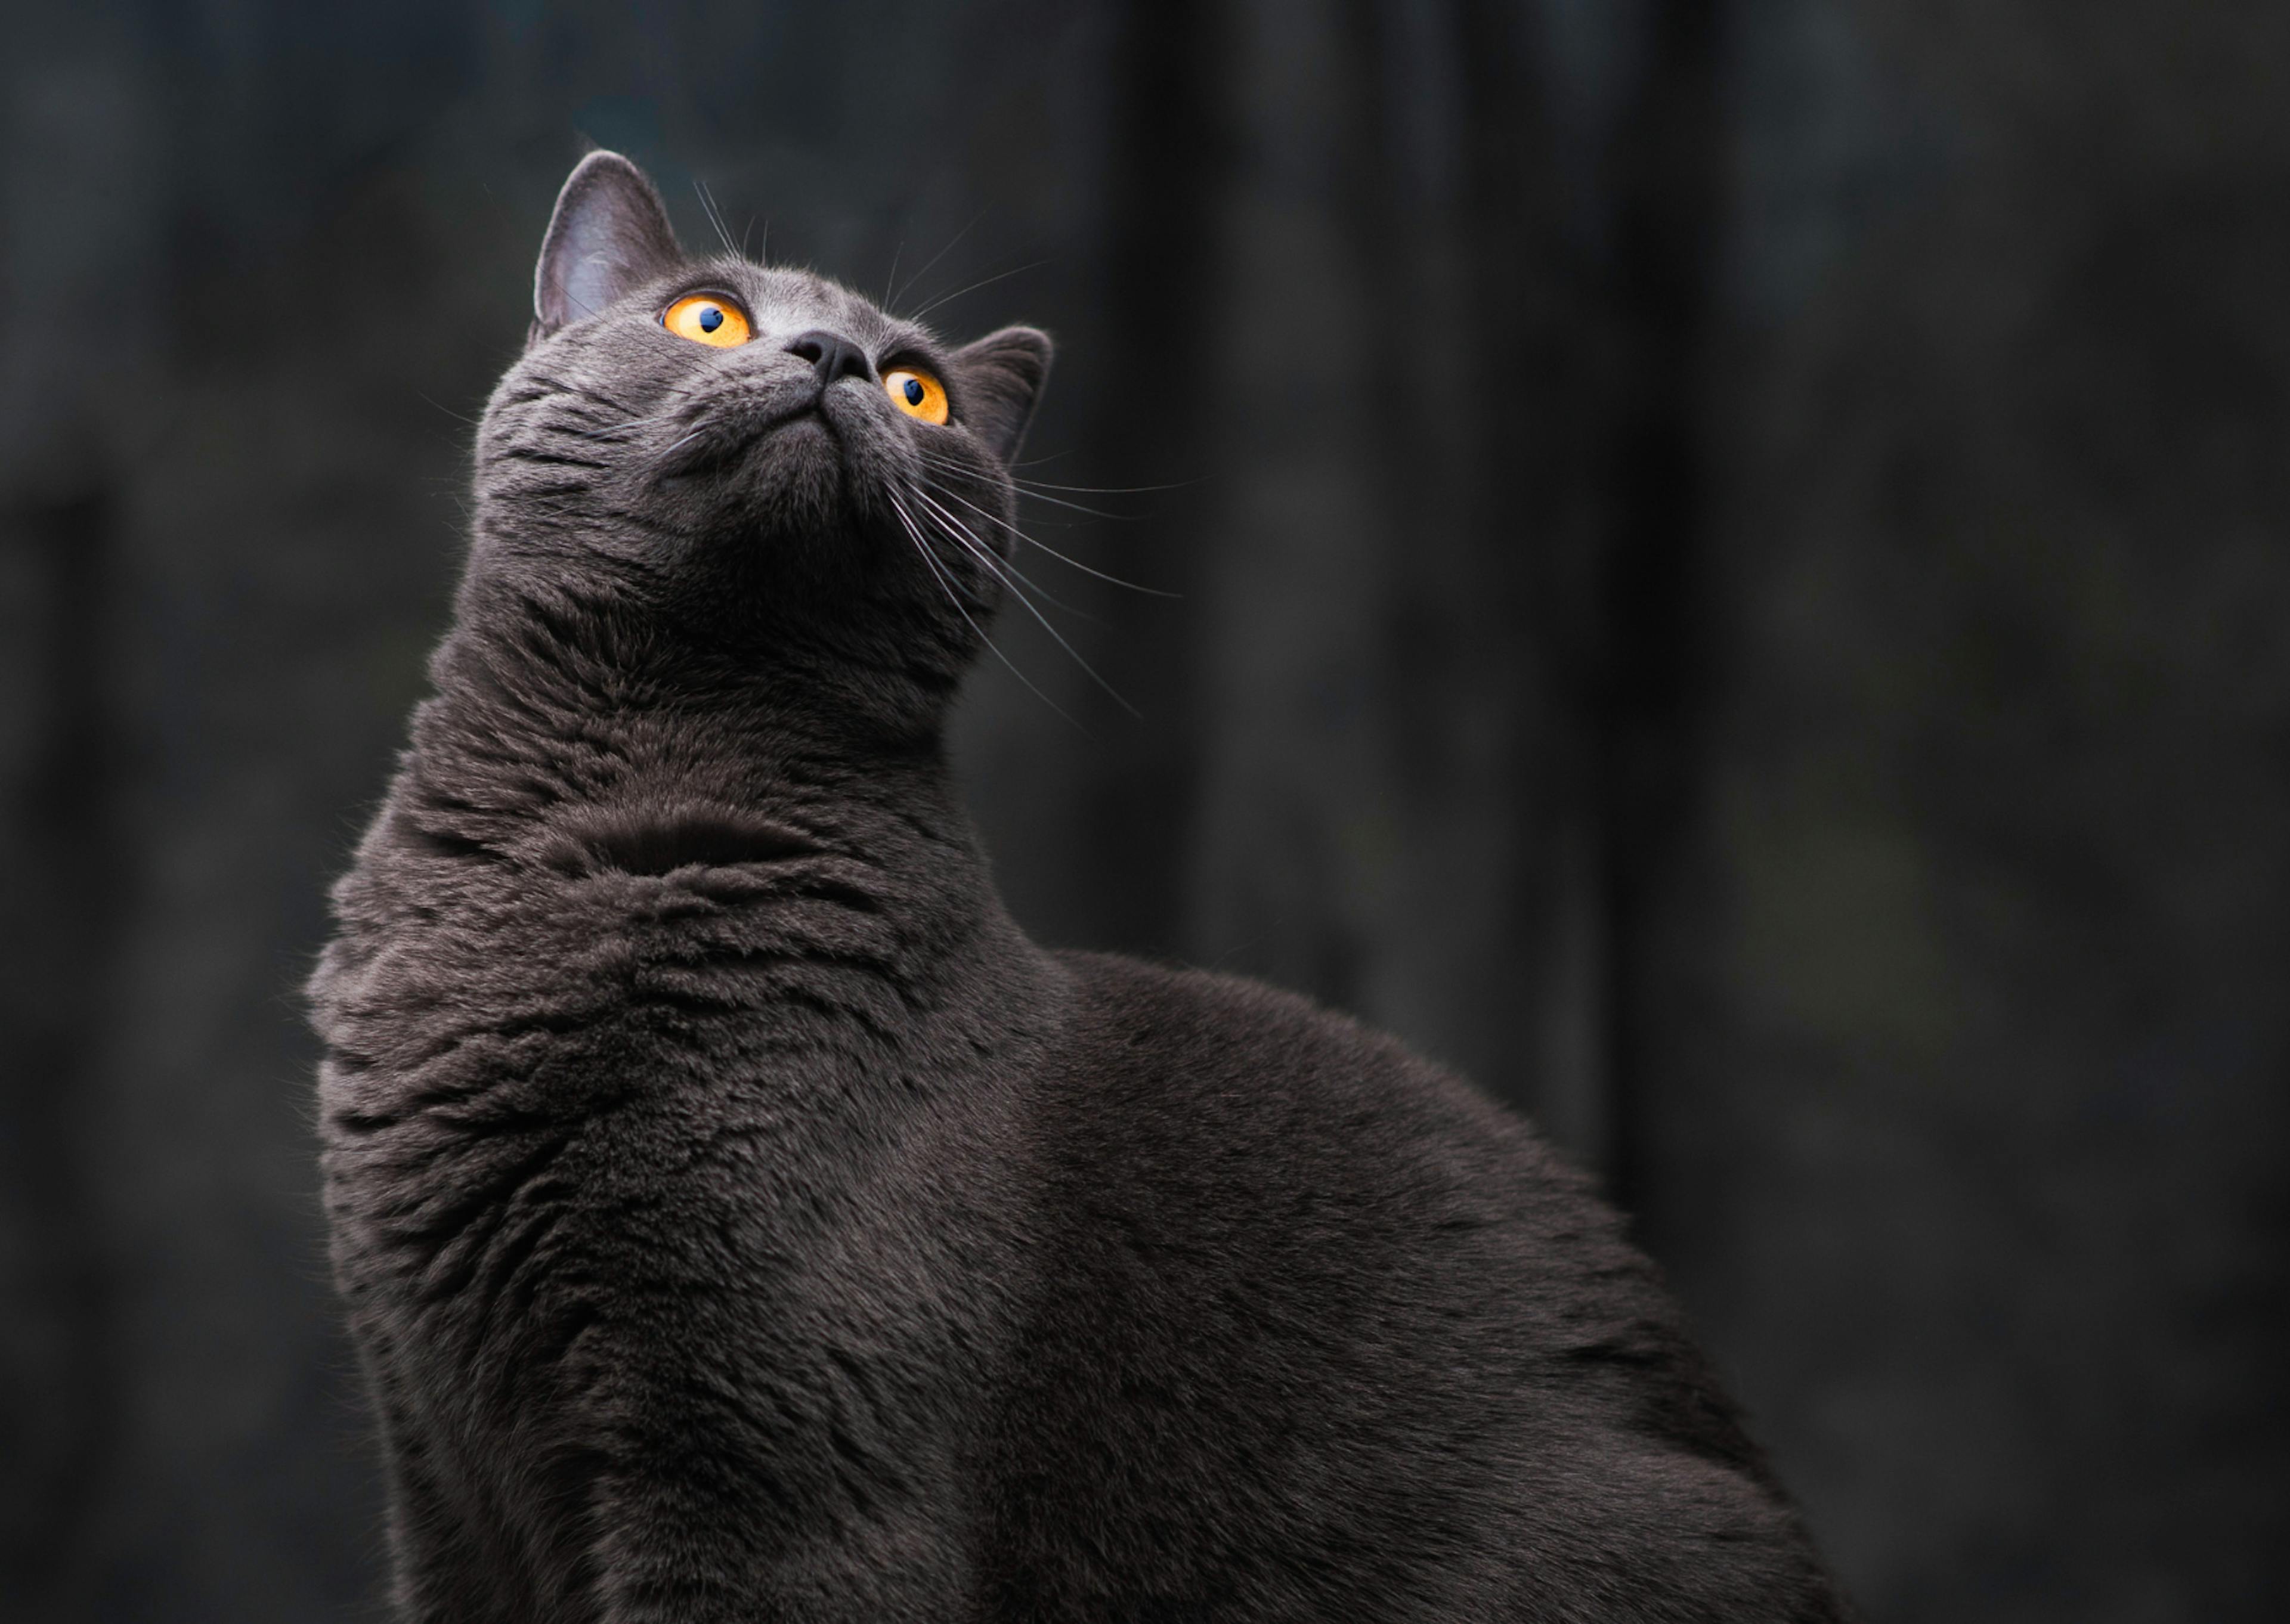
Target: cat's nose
[831, 356]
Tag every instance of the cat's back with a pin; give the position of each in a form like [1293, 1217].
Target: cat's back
[1323, 1318]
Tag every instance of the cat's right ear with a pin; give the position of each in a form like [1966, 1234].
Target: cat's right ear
[1002, 374]
[609, 234]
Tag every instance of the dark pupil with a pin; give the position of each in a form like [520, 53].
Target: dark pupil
[914, 391]
[710, 318]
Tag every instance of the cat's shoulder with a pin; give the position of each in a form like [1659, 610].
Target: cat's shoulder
[1196, 1055]
[1228, 1022]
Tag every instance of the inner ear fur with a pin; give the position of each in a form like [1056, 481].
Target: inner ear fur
[609, 234]
[1001, 376]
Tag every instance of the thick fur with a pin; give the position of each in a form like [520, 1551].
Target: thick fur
[741, 1219]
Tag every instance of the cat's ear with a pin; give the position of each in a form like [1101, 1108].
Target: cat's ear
[1001, 377]
[609, 234]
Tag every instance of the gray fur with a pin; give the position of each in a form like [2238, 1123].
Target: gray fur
[741, 1218]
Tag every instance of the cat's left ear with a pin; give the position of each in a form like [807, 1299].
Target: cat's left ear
[609, 234]
[1001, 377]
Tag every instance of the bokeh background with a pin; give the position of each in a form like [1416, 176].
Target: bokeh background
[1732, 564]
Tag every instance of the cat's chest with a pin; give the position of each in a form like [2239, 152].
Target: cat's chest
[629, 1065]
[560, 1000]
[697, 937]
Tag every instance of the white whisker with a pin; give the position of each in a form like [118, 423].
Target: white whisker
[1032, 542]
[1006, 568]
[953, 596]
[933, 260]
[1040, 492]
[961, 534]
[607, 430]
[974, 287]
[714, 215]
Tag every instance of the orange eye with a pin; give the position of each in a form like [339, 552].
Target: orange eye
[916, 393]
[707, 320]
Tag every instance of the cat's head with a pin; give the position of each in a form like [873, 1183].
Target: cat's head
[753, 459]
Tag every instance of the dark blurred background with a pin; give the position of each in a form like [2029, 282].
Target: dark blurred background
[1733, 561]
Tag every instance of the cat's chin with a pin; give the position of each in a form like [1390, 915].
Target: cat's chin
[789, 475]
[731, 451]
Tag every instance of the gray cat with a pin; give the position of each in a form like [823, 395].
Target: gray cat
[739, 1217]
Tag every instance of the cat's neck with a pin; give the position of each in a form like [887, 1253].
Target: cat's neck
[546, 728]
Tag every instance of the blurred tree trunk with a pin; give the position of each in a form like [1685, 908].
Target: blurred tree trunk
[1400, 810]
[63, 892]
